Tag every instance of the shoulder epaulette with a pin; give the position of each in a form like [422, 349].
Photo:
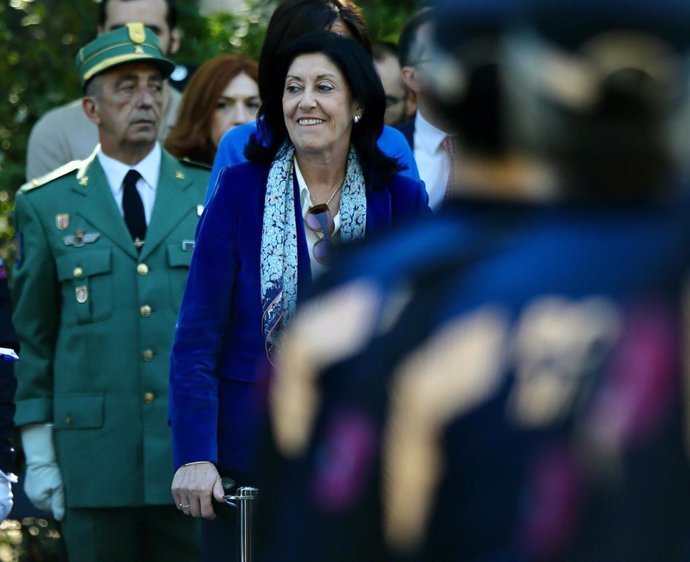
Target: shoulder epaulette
[50, 176]
[194, 164]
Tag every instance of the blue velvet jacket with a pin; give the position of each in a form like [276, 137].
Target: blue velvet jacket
[218, 351]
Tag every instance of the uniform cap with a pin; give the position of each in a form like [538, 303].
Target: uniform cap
[131, 43]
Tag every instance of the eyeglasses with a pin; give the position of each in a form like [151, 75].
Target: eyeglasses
[319, 220]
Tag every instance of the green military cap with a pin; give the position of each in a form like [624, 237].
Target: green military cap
[131, 43]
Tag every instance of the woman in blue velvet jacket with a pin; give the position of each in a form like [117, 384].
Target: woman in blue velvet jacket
[266, 232]
[290, 20]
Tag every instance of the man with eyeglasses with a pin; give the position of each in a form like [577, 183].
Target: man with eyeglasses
[400, 102]
[430, 136]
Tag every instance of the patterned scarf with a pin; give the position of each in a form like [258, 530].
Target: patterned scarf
[279, 238]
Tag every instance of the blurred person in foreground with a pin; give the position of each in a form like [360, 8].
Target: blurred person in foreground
[223, 93]
[103, 250]
[64, 133]
[400, 102]
[267, 232]
[290, 20]
[8, 386]
[504, 381]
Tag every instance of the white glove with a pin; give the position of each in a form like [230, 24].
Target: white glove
[43, 482]
[6, 481]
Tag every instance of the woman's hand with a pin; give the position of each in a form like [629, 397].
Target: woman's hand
[194, 487]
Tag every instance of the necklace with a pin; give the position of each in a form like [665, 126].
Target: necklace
[337, 189]
[327, 203]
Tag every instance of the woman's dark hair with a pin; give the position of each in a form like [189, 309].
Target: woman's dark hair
[294, 18]
[191, 135]
[365, 87]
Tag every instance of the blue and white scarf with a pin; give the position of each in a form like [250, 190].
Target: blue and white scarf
[279, 237]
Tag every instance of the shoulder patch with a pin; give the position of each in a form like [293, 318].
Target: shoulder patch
[194, 164]
[51, 176]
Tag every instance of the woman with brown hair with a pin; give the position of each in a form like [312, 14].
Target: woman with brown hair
[222, 94]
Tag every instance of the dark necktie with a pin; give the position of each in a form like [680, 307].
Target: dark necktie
[133, 208]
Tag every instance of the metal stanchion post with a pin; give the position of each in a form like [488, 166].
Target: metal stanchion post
[244, 501]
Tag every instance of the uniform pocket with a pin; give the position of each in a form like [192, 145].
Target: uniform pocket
[87, 284]
[78, 411]
[179, 260]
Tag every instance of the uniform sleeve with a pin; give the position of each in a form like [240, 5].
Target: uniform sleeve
[394, 145]
[202, 323]
[230, 152]
[36, 315]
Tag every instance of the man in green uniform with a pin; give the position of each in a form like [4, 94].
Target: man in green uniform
[104, 247]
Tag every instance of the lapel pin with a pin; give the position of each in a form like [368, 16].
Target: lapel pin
[84, 180]
[179, 175]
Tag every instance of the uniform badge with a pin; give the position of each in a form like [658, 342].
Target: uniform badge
[62, 221]
[79, 238]
[199, 210]
[84, 180]
[81, 292]
[179, 175]
[136, 32]
[188, 245]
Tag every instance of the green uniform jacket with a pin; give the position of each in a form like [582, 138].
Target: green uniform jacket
[96, 321]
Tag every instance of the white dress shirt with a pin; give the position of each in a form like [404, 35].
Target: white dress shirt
[149, 168]
[432, 160]
[307, 203]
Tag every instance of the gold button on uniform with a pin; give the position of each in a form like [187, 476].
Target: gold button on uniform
[149, 397]
[147, 354]
[145, 311]
[78, 272]
[142, 269]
